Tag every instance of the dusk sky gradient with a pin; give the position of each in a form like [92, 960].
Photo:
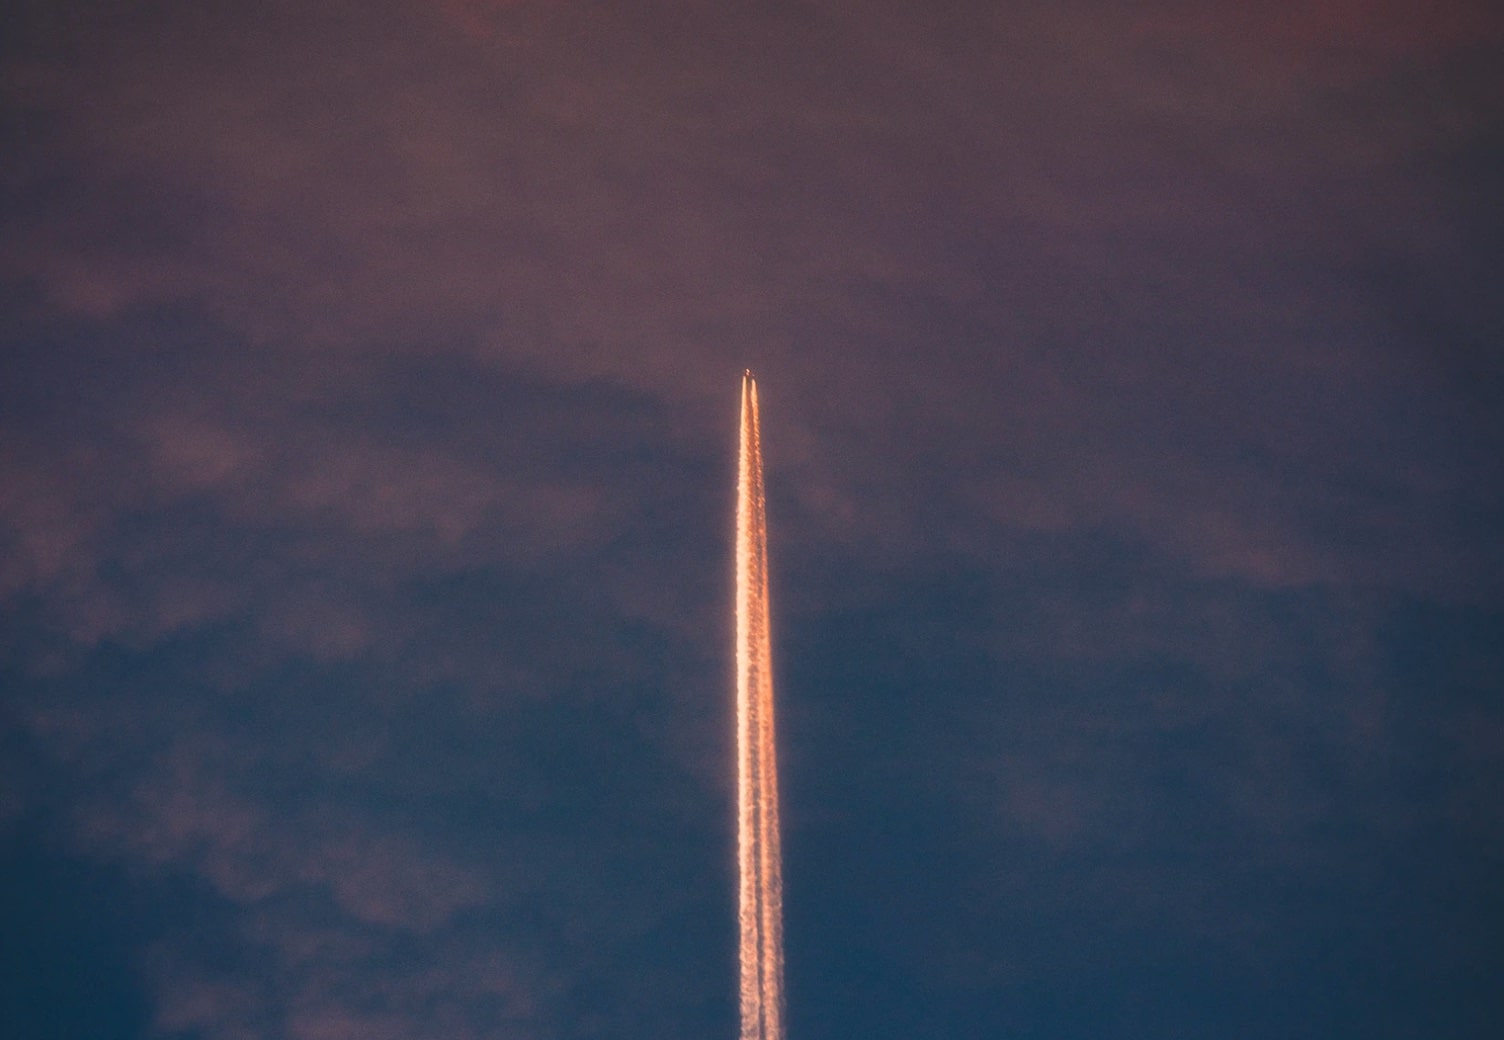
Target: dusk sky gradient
[1133, 413]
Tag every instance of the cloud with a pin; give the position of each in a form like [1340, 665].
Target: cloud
[367, 435]
[591, 213]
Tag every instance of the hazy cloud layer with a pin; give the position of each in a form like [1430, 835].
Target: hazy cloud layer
[1133, 416]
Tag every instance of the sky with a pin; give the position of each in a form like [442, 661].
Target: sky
[1133, 409]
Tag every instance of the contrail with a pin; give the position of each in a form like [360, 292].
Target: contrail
[759, 859]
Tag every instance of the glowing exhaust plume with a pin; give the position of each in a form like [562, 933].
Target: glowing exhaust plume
[760, 907]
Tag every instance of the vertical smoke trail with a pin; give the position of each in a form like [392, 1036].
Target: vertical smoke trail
[760, 907]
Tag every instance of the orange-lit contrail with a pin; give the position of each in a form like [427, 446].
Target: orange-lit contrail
[760, 906]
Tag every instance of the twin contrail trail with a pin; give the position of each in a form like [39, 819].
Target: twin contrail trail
[760, 906]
